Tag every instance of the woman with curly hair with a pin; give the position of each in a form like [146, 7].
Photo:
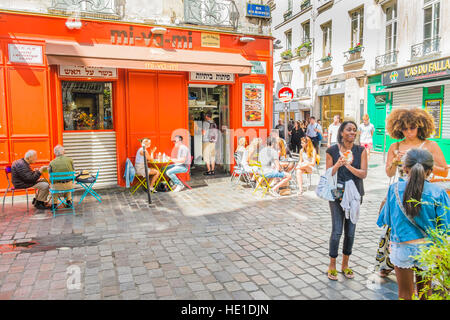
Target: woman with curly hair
[414, 126]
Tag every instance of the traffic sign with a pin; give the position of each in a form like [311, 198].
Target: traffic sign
[285, 94]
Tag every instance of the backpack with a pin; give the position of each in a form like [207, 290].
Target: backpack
[212, 132]
[163, 187]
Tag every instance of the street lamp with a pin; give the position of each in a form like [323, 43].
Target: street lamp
[285, 75]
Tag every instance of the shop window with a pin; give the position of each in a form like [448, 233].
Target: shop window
[87, 105]
[434, 90]
[380, 99]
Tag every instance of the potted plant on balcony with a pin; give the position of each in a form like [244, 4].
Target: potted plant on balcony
[304, 49]
[287, 54]
[326, 61]
[305, 4]
[355, 52]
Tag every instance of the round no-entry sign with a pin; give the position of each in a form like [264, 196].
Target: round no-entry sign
[285, 94]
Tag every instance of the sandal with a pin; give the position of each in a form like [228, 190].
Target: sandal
[332, 274]
[348, 273]
[384, 273]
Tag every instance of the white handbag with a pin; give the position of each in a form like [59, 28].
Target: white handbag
[327, 183]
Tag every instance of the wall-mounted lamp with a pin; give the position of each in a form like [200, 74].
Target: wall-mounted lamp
[246, 39]
[73, 24]
[159, 30]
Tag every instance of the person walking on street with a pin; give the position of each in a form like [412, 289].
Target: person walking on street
[333, 130]
[409, 221]
[210, 136]
[349, 162]
[296, 136]
[366, 130]
[280, 128]
[314, 132]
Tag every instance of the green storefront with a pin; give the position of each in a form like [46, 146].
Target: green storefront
[425, 85]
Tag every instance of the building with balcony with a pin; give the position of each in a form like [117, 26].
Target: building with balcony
[97, 76]
[291, 25]
[328, 44]
[412, 65]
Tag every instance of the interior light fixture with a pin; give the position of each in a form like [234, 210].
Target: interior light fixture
[159, 30]
[246, 39]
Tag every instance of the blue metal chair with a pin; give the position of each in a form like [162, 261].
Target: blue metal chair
[87, 185]
[56, 177]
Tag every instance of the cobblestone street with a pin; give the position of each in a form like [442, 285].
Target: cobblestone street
[213, 242]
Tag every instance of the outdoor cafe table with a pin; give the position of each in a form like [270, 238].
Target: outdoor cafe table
[161, 166]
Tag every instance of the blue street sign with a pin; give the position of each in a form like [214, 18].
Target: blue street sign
[258, 10]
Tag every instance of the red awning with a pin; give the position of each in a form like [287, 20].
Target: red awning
[131, 57]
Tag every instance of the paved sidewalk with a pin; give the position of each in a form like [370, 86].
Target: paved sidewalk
[214, 242]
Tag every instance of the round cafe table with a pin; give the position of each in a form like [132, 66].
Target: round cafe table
[161, 166]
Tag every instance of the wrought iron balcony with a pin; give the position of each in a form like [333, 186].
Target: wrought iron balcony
[287, 14]
[89, 8]
[325, 62]
[386, 60]
[305, 4]
[217, 13]
[303, 92]
[428, 47]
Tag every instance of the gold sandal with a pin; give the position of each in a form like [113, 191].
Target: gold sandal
[332, 274]
[348, 273]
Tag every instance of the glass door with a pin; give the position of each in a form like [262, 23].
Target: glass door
[205, 98]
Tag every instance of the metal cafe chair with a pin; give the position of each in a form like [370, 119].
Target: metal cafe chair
[239, 170]
[189, 172]
[261, 180]
[87, 185]
[141, 183]
[56, 177]
[11, 188]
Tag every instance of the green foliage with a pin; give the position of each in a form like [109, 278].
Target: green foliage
[436, 259]
[286, 53]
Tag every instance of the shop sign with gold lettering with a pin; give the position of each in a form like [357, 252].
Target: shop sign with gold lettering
[417, 73]
[210, 40]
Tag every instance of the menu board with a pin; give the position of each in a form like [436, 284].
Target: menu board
[252, 105]
[434, 107]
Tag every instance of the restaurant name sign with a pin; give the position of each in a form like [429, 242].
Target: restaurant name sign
[421, 72]
[178, 39]
[211, 76]
[87, 72]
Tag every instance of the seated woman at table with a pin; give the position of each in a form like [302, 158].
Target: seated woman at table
[139, 162]
[283, 155]
[253, 150]
[307, 161]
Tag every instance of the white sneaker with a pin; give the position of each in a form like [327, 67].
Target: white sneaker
[274, 193]
[178, 188]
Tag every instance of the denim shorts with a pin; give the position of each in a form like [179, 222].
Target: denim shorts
[274, 174]
[403, 255]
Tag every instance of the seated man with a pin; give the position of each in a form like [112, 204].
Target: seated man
[61, 164]
[23, 177]
[268, 157]
[139, 163]
[182, 162]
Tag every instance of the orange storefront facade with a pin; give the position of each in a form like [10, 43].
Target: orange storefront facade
[144, 83]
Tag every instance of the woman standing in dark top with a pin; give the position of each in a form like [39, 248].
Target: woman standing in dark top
[349, 161]
[296, 137]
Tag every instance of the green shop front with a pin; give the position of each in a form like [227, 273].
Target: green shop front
[425, 85]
